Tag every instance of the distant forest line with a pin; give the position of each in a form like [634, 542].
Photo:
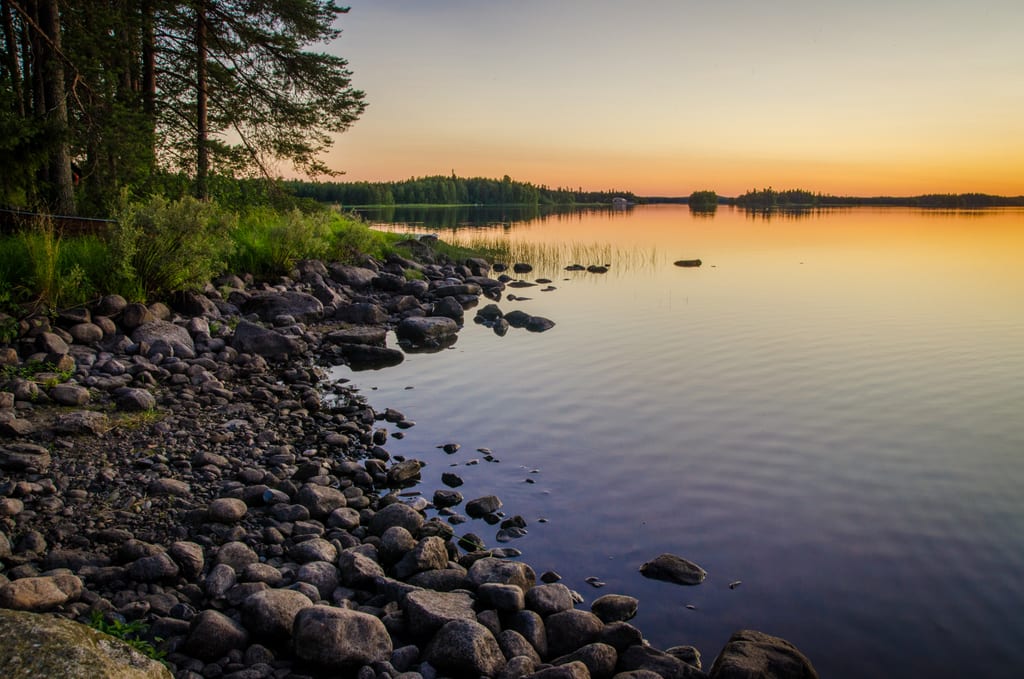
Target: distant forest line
[454, 190]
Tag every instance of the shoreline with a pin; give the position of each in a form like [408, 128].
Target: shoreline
[248, 498]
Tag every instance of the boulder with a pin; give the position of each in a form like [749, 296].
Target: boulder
[339, 638]
[69, 395]
[47, 646]
[213, 635]
[465, 647]
[569, 630]
[490, 569]
[362, 313]
[549, 599]
[614, 607]
[672, 568]
[320, 500]
[749, 653]
[427, 611]
[19, 457]
[426, 331]
[429, 554]
[301, 306]
[397, 514]
[352, 276]
[134, 400]
[640, 657]
[163, 333]
[251, 338]
[599, 658]
[270, 614]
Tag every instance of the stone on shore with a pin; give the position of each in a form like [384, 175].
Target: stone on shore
[46, 646]
[490, 569]
[465, 647]
[213, 635]
[38, 594]
[426, 331]
[270, 614]
[614, 607]
[255, 339]
[672, 568]
[338, 638]
[749, 653]
[427, 611]
[19, 457]
[166, 337]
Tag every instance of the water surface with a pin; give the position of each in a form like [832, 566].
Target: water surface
[828, 410]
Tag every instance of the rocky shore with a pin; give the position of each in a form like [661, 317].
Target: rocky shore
[184, 465]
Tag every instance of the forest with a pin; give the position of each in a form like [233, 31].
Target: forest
[448, 190]
[769, 199]
[153, 97]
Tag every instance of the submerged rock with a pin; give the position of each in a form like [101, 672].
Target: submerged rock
[672, 568]
[756, 654]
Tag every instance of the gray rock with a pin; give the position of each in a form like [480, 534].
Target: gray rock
[448, 307]
[447, 498]
[86, 333]
[135, 400]
[614, 607]
[51, 343]
[81, 422]
[429, 553]
[504, 598]
[531, 626]
[504, 572]
[168, 486]
[672, 568]
[301, 306]
[426, 331]
[316, 549]
[174, 336]
[219, 580]
[251, 338]
[599, 658]
[569, 630]
[641, 657]
[573, 670]
[427, 611]
[404, 473]
[133, 315]
[358, 570]
[362, 313]
[465, 647]
[69, 395]
[749, 653]
[320, 500]
[394, 543]
[363, 334]
[270, 614]
[189, 557]
[155, 568]
[688, 654]
[396, 514]
[213, 635]
[20, 457]
[38, 594]
[238, 555]
[345, 518]
[513, 644]
[48, 646]
[549, 599]
[322, 576]
[458, 290]
[110, 305]
[226, 510]
[339, 638]
[352, 276]
[518, 667]
[483, 506]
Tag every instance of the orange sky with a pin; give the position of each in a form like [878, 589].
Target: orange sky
[664, 97]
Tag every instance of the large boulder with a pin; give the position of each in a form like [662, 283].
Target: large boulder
[427, 611]
[352, 276]
[672, 568]
[639, 657]
[213, 635]
[301, 306]
[755, 655]
[426, 331]
[490, 569]
[47, 646]
[340, 638]
[19, 457]
[255, 339]
[163, 335]
[465, 648]
[270, 614]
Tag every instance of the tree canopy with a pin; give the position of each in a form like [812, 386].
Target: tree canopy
[104, 95]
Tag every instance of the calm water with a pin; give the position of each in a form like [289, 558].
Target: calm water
[828, 410]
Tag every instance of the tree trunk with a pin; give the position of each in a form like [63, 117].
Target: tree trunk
[11, 43]
[202, 131]
[56, 108]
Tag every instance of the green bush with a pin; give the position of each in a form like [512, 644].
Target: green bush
[160, 246]
[269, 242]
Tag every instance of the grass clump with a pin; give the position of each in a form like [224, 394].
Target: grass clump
[130, 633]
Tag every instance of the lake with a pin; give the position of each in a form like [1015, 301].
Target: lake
[828, 410]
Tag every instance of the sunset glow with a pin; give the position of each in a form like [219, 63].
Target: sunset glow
[663, 97]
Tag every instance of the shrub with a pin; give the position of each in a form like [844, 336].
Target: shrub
[162, 246]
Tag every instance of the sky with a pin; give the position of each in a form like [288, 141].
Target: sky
[665, 97]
